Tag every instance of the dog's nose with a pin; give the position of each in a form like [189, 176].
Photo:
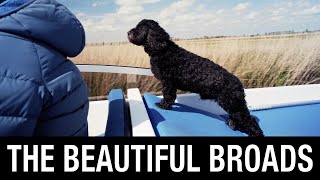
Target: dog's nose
[130, 36]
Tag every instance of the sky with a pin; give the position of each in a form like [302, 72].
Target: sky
[109, 20]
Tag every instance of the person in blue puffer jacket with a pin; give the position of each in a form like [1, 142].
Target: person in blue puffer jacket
[42, 93]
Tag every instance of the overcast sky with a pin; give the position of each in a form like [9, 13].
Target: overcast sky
[109, 20]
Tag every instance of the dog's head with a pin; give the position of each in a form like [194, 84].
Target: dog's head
[149, 34]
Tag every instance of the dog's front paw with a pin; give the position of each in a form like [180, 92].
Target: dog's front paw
[163, 106]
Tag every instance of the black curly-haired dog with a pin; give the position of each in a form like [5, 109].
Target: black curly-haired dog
[178, 68]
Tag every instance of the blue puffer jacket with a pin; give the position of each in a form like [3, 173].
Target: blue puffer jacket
[41, 91]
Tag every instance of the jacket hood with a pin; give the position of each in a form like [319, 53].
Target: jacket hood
[44, 21]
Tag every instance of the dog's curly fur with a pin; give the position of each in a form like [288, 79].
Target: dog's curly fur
[178, 68]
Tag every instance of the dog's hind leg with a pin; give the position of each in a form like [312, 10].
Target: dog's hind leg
[239, 115]
[245, 123]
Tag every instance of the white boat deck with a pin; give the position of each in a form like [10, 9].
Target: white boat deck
[97, 117]
[141, 124]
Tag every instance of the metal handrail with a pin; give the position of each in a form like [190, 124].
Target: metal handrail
[115, 69]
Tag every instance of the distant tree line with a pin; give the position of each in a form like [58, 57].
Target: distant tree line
[214, 37]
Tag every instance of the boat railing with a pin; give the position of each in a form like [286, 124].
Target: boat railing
[115, 69]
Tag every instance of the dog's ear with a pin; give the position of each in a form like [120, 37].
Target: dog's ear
[157, 38]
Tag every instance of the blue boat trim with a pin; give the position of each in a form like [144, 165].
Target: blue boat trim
[300, 120]
[117, 123]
